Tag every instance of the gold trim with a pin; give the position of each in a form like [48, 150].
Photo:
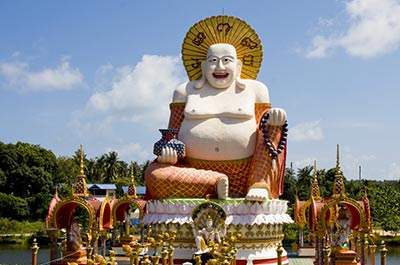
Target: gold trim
[79, 201]
[130, 201]
[260, 185]
[321, 223]
[238, 161]
[269, 105]
[183, 104]
[105, 203]
[222, 29]
[177, 104]
[244, 244]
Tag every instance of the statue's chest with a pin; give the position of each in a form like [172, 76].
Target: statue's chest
[225, 102]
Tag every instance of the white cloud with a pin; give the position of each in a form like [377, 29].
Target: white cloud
[373, 29]
[133, 107]
[307, 131]
[18, 75]
[104, 77]
[138, 95]
[320, 46]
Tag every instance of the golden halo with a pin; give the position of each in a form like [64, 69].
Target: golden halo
[222, 29]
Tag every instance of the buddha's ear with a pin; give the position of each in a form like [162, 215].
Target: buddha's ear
[239, 81]
[239, 65]
[200, 83]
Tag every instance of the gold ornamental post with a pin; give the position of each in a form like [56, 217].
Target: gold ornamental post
[279, 251]
[383, 250]
[372, 249]
[327, 252]
[365, 249]
[35, 251]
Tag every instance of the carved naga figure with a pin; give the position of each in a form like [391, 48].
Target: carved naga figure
[235, 142]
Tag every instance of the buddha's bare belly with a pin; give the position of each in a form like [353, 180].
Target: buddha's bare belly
[219, 138]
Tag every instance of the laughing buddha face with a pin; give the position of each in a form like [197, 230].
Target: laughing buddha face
[221, 67]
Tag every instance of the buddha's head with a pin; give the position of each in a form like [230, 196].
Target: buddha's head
[221, 67]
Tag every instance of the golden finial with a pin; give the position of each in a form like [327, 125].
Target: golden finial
[315, 193]
[80, 187]
[338, 184]
[315, 170]
[132, 188]
[81, 165]
[338, 171]
[132, 176]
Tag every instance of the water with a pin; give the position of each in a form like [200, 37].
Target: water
[15, 254]
[392, 258]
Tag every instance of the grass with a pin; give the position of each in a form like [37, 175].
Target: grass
[16, 232]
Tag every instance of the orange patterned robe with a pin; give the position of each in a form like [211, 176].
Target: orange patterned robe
[192, 178]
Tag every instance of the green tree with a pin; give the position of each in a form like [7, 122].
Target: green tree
[67, 170]
[29, 171]
[140, 177]
[18, 205]
[289, 187]
[304, 181]
[384, 199]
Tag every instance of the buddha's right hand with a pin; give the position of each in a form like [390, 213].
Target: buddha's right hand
[168, 156]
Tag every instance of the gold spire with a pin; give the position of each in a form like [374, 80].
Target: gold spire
[338, 184]
[338, 171]
[81, 165]
[132, 176]
[315, 192]
[80, 187]
[132, 188]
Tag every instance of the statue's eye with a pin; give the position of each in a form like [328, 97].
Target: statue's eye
[227, 60]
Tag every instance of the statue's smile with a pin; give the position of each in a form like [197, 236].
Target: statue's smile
[220, 75]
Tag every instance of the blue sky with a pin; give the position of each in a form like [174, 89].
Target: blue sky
[102, 73]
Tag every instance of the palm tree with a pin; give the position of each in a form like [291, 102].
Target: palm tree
[111, 166]
[304, 181]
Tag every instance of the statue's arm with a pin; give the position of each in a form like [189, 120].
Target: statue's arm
[261, 92]
[177, 107]
[180, 93]
[264, 172]
[169, 155]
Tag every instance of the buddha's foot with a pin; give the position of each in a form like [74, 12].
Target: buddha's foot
[258, 192]
[223, 188]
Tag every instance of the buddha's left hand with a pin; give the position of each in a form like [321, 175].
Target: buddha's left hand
[277, 117]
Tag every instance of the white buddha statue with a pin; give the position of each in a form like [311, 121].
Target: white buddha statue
[218, 117]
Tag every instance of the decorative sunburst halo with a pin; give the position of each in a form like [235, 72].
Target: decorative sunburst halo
[222, 29]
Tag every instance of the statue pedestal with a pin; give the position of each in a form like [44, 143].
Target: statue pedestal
[128, 240]
[346, 257]
[124, 240]
[72, 256]
[306, 251]
[259, 223]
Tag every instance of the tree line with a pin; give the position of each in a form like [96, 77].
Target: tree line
[383, 196]
[30, 173]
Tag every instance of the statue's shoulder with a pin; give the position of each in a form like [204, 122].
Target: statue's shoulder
[260, 90]
[181, 92]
